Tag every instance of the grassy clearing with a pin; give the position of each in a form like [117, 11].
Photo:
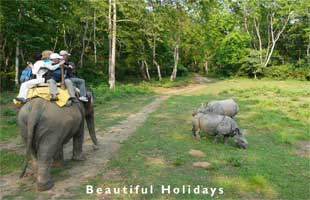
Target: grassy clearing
[274, 115]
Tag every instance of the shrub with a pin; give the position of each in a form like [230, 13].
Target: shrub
[283, 72]
[250, 65]
[231, 52]
[182, 70]
[7, 111]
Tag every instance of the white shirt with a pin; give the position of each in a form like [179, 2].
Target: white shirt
[40, 68]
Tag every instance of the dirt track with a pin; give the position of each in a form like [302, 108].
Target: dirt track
[109, 143]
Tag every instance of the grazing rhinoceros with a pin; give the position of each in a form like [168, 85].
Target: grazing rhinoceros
[218, 126]
[226, 107]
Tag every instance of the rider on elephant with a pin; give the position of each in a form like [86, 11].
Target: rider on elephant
[71, 74]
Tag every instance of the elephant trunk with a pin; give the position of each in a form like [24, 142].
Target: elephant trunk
[90, 119]
[91, 126]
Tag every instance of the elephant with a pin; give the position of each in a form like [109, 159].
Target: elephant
[46, 127]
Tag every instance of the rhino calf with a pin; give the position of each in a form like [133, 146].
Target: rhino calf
[226, 107]
[218, 126]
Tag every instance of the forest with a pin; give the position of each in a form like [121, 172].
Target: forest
[129, 41]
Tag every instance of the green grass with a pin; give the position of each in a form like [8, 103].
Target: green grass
[274, 115]
[112, 112]
[10, 161]
[270, 169]
[8, 125]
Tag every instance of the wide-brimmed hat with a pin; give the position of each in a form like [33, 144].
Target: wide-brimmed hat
[63, 52]
[55, 56]
[46, 54]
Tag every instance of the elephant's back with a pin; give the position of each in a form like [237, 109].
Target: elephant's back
[61, 116]
[51, 117]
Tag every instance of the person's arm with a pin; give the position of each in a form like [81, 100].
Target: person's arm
[36, 66]
[53, 67]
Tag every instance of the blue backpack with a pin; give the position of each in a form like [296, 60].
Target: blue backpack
[26, 74]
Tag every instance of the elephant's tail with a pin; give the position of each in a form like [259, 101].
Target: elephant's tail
[31, 123]
[24, 169]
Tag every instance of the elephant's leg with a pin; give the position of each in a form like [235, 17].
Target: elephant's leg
[59, 158]
[78, 140]
[34, 165]
[46, 153]
[44, 181]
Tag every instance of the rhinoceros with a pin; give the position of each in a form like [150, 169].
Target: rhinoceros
[226, 107]
[218, 126]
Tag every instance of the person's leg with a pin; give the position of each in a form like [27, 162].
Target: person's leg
[23, 91]
[81, 85]
[70, 87]
[53, 89]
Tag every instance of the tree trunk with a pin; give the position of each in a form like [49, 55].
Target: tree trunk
[17, 53]
[95, 46]
[158, 70]
[21, 53]
[3, 55]
[110, 33]
[84, 39]
[154, 58]
[275, 37]
[256, 25]
[142, 70]
[206, 67]
[113, 43]
[147, 71]
[17, 62]
[176, 60]
[142, 66]
[64, 35]
[55, 44]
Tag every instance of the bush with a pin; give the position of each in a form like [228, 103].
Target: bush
[282, 72]
[250, 65]
[8, 112]
[182, 71]
[231, 53]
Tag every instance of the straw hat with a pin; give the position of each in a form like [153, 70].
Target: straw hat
[46, 54]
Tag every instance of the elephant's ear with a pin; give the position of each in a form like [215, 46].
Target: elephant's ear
[90, 96]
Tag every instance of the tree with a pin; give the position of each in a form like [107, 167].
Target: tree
[112, 42]
[269, 17]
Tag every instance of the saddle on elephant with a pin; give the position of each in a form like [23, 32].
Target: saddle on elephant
[42, 91]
